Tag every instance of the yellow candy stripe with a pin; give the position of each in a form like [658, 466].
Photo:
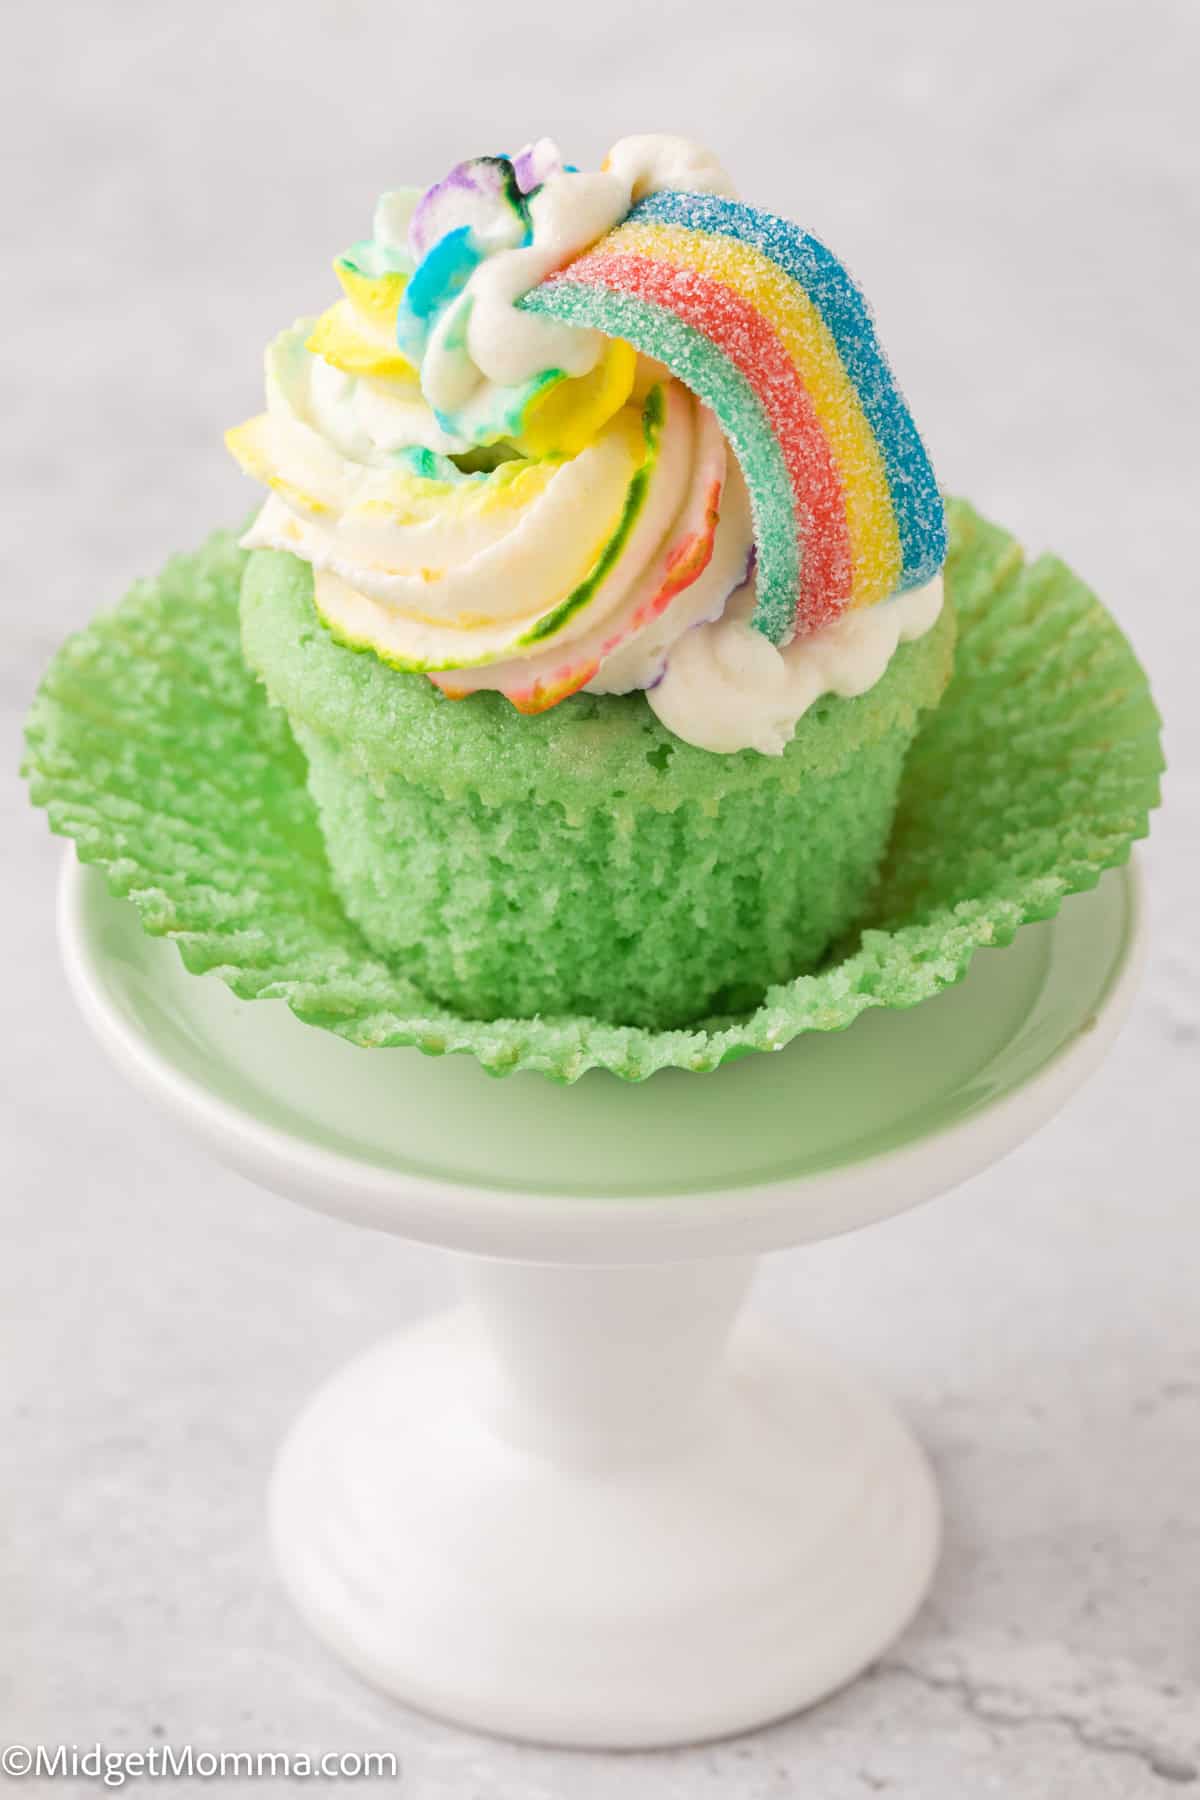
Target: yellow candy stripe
[875, 547]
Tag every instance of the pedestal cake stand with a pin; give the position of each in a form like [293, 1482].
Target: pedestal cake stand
[582, 1508]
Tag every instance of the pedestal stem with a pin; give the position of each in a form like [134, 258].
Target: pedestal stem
[562, 1514]
[598, 1364]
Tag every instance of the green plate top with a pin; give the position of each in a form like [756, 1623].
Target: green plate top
[824, 1103]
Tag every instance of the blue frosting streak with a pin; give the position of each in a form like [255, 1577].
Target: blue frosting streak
[436, 285]
[920, 516]
[440, 276]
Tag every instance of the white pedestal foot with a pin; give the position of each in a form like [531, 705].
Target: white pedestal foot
[567, 1514]
[609, 1536]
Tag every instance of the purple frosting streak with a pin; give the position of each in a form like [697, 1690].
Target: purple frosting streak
[470, 195]
[536, 163]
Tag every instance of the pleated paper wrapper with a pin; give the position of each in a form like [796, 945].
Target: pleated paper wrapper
[152, 747]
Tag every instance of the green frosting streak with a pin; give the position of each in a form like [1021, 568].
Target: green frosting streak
[654, 415]
[653, 419]
[370, 258]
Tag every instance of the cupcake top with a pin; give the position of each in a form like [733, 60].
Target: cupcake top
[603, 431]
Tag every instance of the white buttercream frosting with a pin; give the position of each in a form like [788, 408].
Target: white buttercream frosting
[500, 500]
[726, 687]
[569, 213]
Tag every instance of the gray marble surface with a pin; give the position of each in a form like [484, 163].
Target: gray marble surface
[1016, 188]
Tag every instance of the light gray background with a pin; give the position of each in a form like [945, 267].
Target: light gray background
[1017, 189]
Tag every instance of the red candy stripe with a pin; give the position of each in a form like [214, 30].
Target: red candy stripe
[750, 343]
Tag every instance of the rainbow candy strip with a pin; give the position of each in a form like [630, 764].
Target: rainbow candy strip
[766, 326]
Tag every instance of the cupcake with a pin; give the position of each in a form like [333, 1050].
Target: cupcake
[600, 581]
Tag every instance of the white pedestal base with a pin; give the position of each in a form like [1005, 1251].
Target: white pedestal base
[763, 1557]
[570, 1514]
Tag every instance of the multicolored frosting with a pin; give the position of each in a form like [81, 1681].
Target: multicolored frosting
[506, 450]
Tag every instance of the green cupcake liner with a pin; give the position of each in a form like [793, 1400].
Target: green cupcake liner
[152, 746]
[611, 870]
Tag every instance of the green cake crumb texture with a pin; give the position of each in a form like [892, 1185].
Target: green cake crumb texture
[585, 860]
[154, 748]
[654, 919]
[589, 750]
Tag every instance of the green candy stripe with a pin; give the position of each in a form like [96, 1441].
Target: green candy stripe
[700, 366]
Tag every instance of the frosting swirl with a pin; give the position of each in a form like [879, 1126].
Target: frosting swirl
[727, 687]
[499, 499]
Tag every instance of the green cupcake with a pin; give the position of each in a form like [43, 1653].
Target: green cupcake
[585, 860]
[600, 585]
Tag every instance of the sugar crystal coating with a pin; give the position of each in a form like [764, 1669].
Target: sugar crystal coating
[851, 485]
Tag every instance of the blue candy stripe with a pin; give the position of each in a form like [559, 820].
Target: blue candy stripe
[920, 518]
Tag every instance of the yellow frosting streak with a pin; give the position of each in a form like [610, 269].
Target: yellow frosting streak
[340, 340]
[375, 296]
[562, 420]
[410, 499]
[252, 447]
[314, 481]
